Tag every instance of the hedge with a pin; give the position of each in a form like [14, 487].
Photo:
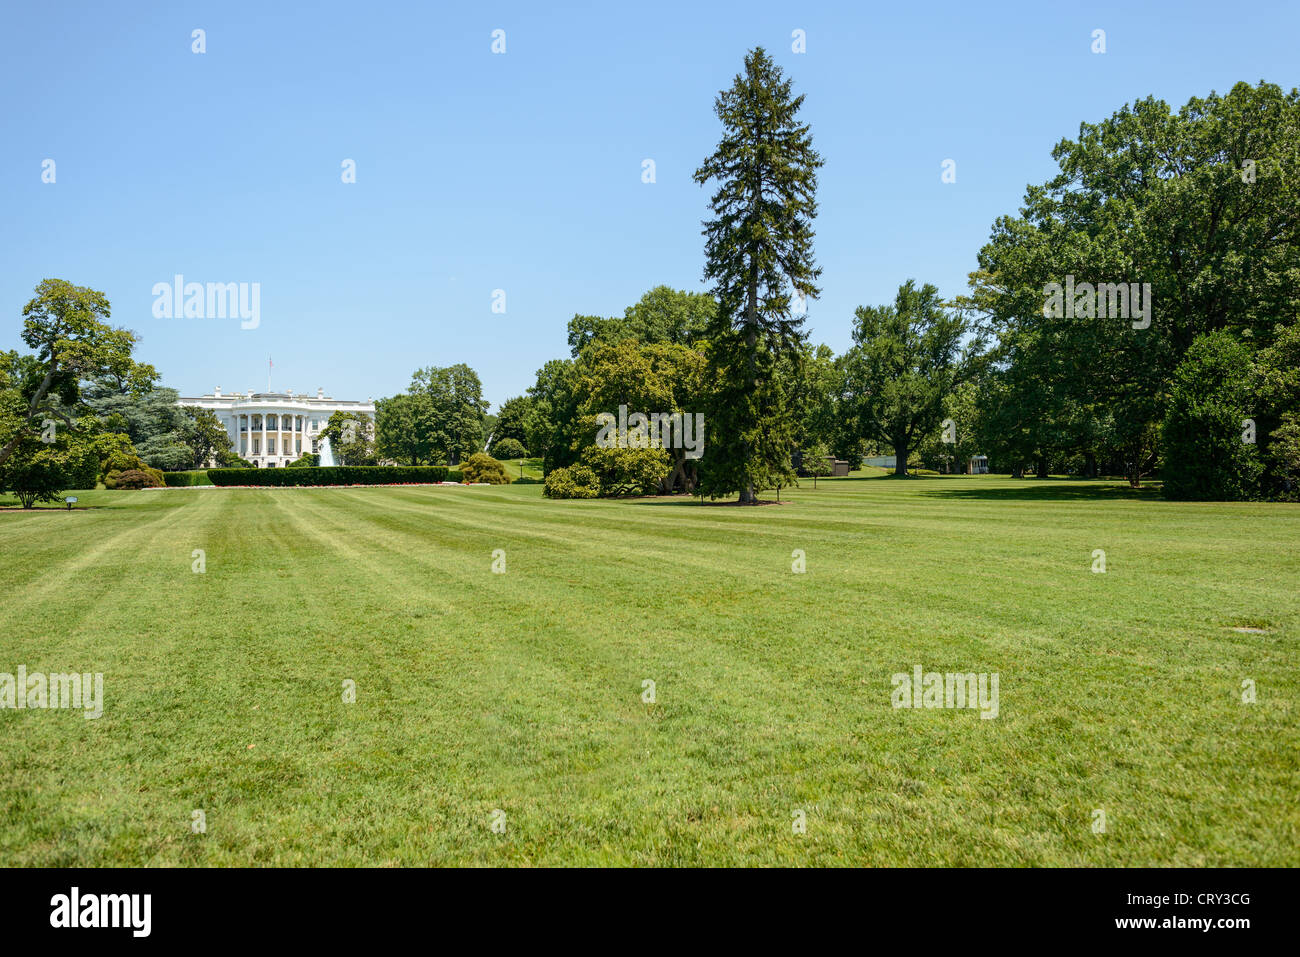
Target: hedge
[185, 479]
[336, 475]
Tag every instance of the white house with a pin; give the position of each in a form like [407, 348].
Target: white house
[271, 429]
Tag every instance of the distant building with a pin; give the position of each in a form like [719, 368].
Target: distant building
[272, 429]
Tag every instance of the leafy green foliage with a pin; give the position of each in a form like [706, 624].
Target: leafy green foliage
[905, 362]
[648, 378]
[627, 471]
[35, 472]
[512, 423]
[572, 481]
[404, 429]
[509, 449]
[816, 461]
[1149, 195]
[136, 479]
[336, 475]
[187, 479]
[450, 413]
[481, 467]
[65, 325]
[1205, 456]
[663, 316]
[351, 437]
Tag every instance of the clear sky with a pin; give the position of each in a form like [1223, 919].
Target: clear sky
[522, 171]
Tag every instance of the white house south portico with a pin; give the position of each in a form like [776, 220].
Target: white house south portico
[272, 429]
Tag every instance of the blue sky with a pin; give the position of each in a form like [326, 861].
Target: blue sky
[522, 171]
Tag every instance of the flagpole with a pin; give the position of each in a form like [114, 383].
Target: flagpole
[268, 373]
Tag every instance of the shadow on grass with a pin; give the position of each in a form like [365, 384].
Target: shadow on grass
[43, 509]
[662, 501]
[1048, 490]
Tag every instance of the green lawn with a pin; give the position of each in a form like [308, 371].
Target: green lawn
[532, 468]
[522, 691]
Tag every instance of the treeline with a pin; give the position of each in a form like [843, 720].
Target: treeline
[1139, 315]
[1197, 212]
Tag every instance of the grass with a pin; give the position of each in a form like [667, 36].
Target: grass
[522, 691]
[532, 467]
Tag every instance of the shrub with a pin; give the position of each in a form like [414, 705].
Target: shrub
[481, 467]
[136, 479]
[333, 475]
[527, 480]
[186, 479]
[229, 460]
[1284, 456]
[1204, 456]
[575, 481]
[628, 471]
[309, 460]
[509, 448]
[120, 460]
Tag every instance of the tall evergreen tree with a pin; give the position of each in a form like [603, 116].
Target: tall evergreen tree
[759, 255]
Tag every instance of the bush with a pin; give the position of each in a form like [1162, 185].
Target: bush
[335, 475]
[527, 480]
[186, 479]
[628, 471]
[135, 479]
[120, 460]
[481, 467]
[509, 448]
[575, 481]
[309, 460]
[1204, 455]
[1284, 456]
[229, 460]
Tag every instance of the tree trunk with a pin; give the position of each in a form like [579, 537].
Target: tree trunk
[900, 460]
[1042, 467]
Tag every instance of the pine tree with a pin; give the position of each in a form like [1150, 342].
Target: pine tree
[759, 255]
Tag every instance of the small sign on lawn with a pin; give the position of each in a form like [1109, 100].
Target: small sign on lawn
[71, 500]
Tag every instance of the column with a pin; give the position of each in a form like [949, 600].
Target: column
[264, 436]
